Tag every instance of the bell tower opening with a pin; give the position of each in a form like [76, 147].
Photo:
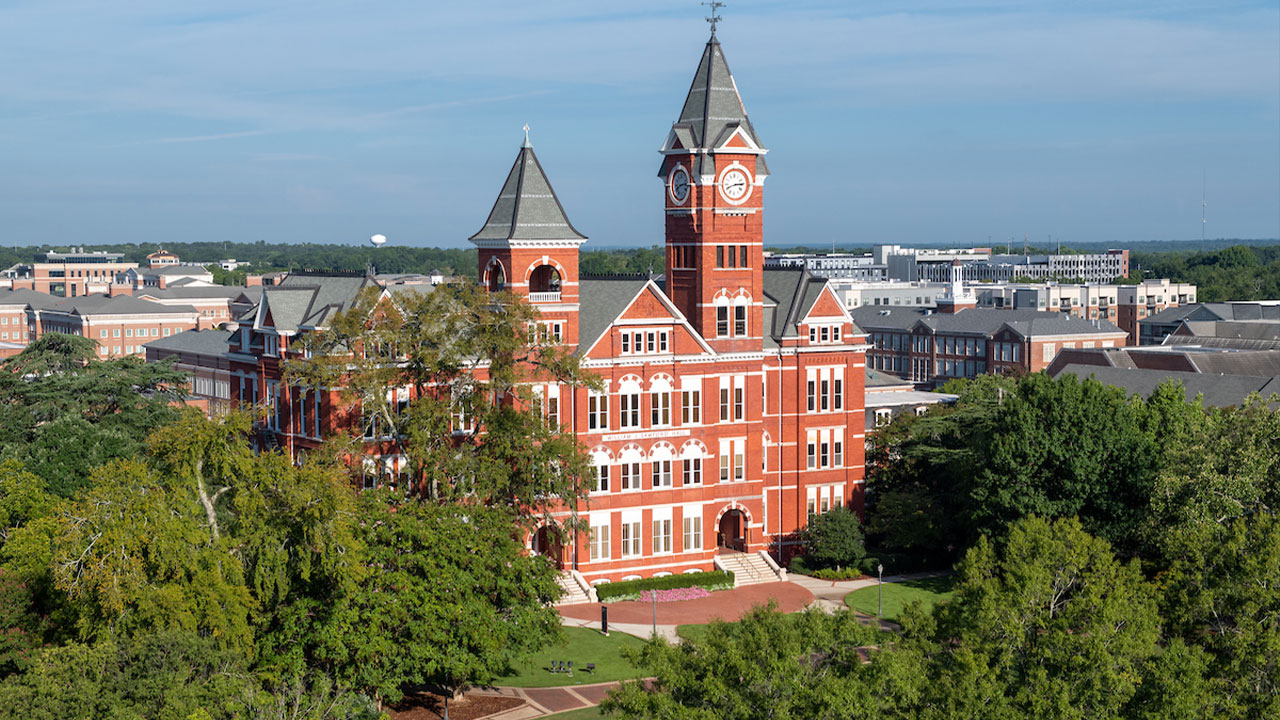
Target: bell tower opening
[544, 279]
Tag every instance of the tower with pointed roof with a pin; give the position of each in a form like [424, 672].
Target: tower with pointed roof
[713, 172]
[529, 247]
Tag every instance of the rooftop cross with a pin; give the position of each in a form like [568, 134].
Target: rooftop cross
[526, 137]
[714, 5]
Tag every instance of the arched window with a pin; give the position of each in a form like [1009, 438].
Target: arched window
[497, 277]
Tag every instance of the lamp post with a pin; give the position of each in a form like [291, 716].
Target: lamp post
[879, 590]
[653, 595]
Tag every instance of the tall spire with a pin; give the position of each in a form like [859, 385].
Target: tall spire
[527, 208]
[713, 108]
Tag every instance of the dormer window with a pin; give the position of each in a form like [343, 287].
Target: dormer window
[824, 334]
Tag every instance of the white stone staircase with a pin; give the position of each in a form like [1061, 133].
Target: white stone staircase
[574, 590]
[749, 568]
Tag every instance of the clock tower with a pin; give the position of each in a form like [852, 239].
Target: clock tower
[713, 172]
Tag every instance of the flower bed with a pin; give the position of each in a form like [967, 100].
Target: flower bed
[676, 595]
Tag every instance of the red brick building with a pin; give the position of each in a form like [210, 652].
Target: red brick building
[733, 401]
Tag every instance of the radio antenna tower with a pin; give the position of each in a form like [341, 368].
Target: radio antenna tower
[1204, 181]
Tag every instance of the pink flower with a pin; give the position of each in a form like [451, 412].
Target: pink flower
[676, 595]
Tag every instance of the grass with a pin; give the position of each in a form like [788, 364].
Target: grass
[692, 632]
[897, 596]
[582, 646]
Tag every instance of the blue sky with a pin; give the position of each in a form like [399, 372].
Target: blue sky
[906, 122]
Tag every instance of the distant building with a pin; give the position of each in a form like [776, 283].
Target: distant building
[831, 266]
[889, 293]
[929, 348]
[889, 396]
[215, 304]
[120, 325]
[980, 264]
[166, 276]
[1242, 325]
[69, 274]
[161, 258]
[14, 304]
[1221, 377]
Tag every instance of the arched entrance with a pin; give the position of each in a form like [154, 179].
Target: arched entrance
[546, 541]
[731, 533]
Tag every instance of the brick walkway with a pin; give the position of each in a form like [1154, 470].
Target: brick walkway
[725, 604]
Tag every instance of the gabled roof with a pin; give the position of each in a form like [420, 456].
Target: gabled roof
[793, 292]
[310, 300]
[601, 300]
[527, 208]
[713, 104]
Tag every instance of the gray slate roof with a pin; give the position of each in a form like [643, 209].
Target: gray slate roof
[203, 342]
[793, 291]
[527, 208]
[24, 296]
[118, 305]
[203, 291]
[713, 109]
[1217, 390]
[601, 300]
[310, 300]
[979, 321]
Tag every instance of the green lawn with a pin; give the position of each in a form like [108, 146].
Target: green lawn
[897, 596]
[582, 646]
[692, 632]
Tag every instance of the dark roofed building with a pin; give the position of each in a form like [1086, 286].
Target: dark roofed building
[203, 353]
[930, 348]
[1245, 325]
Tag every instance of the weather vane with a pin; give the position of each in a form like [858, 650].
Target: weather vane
[526, 136]
[714, 5]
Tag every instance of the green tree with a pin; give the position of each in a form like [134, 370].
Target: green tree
[1223, 593]
[805, 666]
[475, 431]
[1049, 624]
[450, 599]
[834, 540]
[63, 410]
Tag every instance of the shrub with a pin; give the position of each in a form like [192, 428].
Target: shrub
[834, 540]
[848, 573]
[631, 589]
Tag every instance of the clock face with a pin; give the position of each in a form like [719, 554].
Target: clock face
[679, 185]
[735, 185]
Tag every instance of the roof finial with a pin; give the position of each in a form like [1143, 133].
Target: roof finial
[714, 5]
[526, 137]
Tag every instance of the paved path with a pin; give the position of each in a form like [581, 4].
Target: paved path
[548, 701]
[829, 594]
